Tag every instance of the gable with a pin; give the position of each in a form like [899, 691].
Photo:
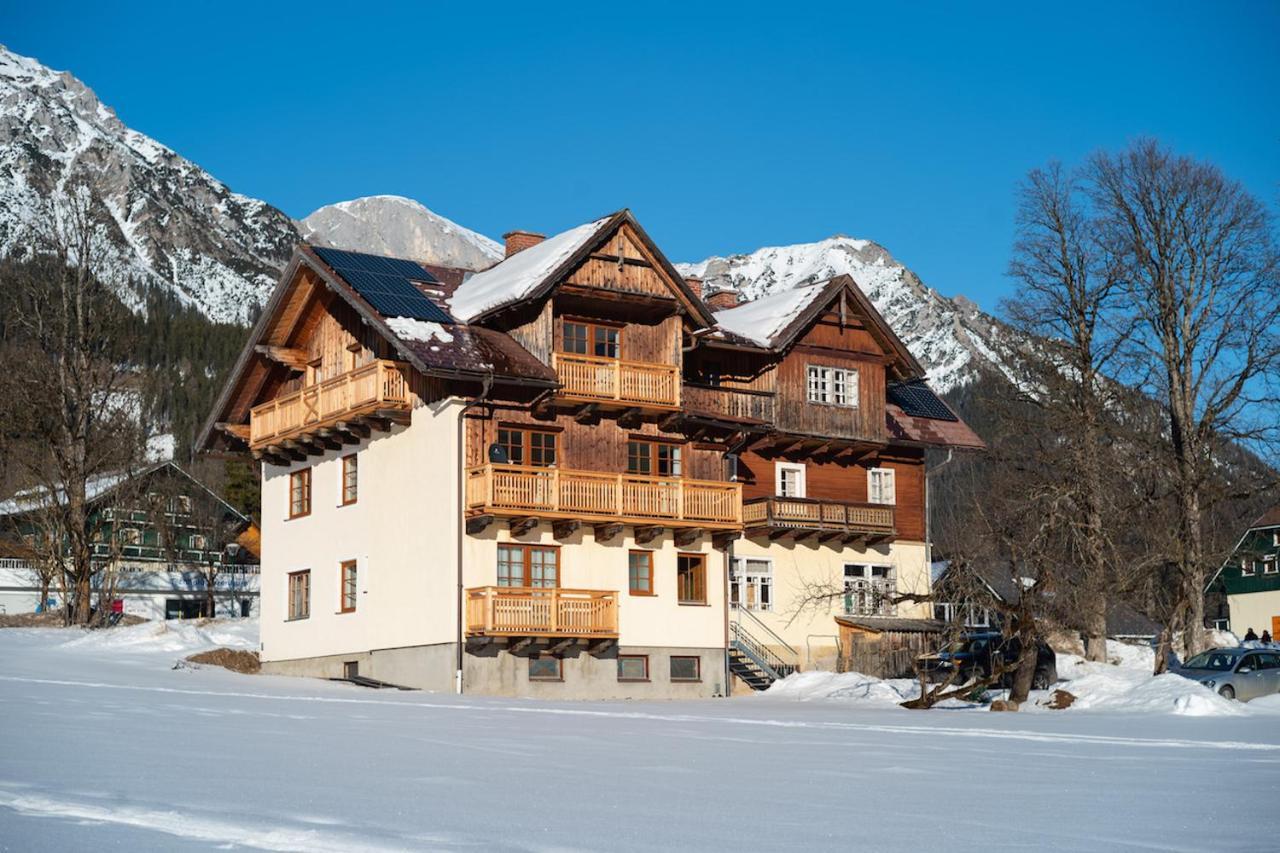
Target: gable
[622, 264]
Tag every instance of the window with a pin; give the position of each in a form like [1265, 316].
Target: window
[534, 566]
[545, 668]
[299, 595]
[199, 542]
[528, 447]
[832, 385]
[691, 579]
[751, 583]
[640, 572]
[130, 536]
[633, 667]
[652, 457]
[686, 668]
[592, 339]
[182, 504]
[186, 608]
[1246, 567]
[789, 479]
[868, 590]
[348, 587]
[880, 486]
[350, 479]
[300, 493]
[1269, 565]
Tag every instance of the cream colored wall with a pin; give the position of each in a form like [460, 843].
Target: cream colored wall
[1253, 610]
[403, 531]
[804, 569]
[655, 620]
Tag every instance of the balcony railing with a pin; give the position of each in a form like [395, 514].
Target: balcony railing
[739, 404]
[375, 386]
[638, 383]
[806, 514]
[592, 495]
[527, 612]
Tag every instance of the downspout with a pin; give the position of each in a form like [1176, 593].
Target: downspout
[462, 521]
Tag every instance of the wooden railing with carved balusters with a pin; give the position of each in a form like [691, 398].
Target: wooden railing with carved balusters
[743, 404]
[545, 612]
[377, 385]
[639, 383]
[566, 493]
[810, 514]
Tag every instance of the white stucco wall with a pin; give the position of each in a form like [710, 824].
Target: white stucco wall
[1253, 610]
[403, 532]
[654, 620]
[806, 569]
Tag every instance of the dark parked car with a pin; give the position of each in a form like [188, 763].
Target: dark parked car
[981, 654]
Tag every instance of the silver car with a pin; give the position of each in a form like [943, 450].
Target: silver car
[1242, 674]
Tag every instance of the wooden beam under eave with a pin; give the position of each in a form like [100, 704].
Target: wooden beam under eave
[239, 432]
[287, 453]
[721, 541]
[293, 358]
[478, 523]
[338, 435]
[297, 446]
[686, 536]
[630, 419]
[605, 532]
[587, 414]
[565, 528]
[359, 430]
[521, 525]
[647, 533]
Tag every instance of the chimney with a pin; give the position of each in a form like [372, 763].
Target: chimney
[722, 299]
[518, 241]
[695, 284]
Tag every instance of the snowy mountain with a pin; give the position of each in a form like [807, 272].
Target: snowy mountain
[951, 337]
[394, 225]
[168, 223]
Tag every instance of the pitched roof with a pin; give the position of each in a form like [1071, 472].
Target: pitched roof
[922, 417]
[1270, 518]
[892, 623]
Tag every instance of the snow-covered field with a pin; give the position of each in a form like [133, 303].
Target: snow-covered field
[106, 745]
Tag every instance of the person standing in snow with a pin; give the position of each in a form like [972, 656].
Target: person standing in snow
[1249, 636]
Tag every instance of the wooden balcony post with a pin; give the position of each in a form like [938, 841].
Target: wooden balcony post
[554, 615]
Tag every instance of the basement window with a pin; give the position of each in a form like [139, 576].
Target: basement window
[686, 668]
[633, 667]
[546, 668]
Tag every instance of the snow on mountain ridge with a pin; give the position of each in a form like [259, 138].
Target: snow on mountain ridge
[169, 223]
[400, 227]
[952, 338]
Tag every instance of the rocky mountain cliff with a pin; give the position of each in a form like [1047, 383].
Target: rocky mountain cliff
[951, 337]
[398, 226]
[168, 223]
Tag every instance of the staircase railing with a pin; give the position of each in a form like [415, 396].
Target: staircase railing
[773, 663]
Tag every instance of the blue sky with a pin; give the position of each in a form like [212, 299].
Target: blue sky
[725, 128]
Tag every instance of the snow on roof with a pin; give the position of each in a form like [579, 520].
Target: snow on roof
[38, 498]
[764, 319]
[409, 329]
[518, 276]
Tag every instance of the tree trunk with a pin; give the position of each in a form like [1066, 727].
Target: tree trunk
[44, 592]
[1095, 635]
[84, 599]
[1025, 674]
[210, 581]
[1191, 580]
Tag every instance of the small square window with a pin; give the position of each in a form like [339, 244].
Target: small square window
[546, 668]
[633, 667]
[686, 668]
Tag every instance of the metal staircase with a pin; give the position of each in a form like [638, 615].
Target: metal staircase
[758, 663]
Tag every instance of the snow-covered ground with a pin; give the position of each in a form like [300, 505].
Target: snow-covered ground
[106, 745]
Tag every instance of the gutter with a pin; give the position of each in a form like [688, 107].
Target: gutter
[462, 522]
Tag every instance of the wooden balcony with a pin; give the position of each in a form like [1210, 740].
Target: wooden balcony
[640, 384]
[719, 402]
[374, 388]
[799, 518]
[499, 611]
[592, 496]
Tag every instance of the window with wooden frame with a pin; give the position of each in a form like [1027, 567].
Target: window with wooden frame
[640, 573]
[546, 668]
[751, 583]
[300, 493]
[528, 446]
[536, 566]
[790, 479]
[350, 479]
[348, 587]
[299, 595]
[598, 339]
[633, 667]
[654, 458]
[691, 579]
[881, 488]
[686, 668]
[833, 386]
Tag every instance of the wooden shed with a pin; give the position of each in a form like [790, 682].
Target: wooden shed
[885, 646]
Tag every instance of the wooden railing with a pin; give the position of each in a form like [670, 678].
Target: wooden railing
[529, 612]
[376, 385]
[591, 494]
[876, 519]
[736, 403]
[609, 379]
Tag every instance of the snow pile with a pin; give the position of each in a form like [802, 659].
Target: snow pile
[180, 637]
[1127, 686]
[409, 329]
[851, 687]
[519, 275]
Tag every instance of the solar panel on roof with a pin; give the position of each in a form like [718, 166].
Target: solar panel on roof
[919, 401]
[386, 283]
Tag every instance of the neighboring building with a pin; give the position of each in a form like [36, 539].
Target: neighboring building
[530, 480]
[1250, 579]
[153, 532]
